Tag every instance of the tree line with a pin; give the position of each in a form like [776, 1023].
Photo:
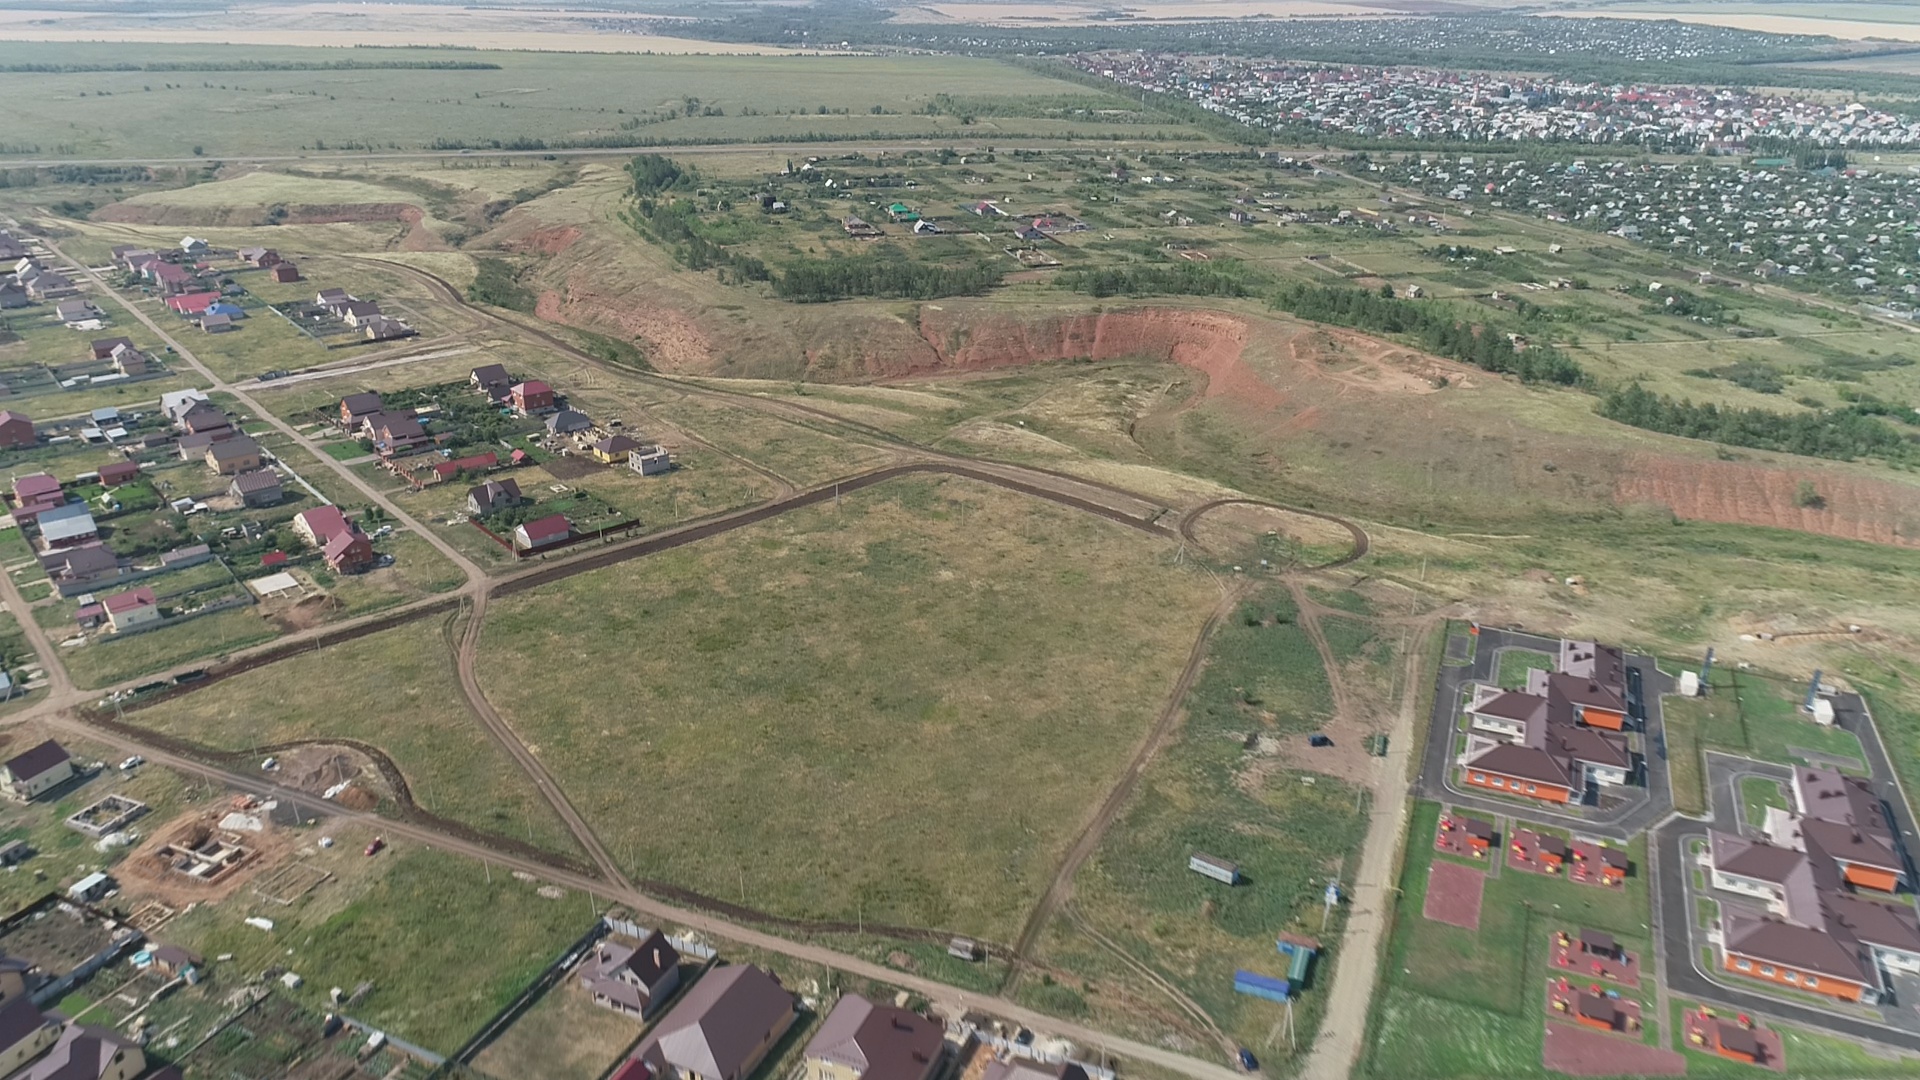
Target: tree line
[812, 281]
[1844, 434]
[1164, 279]
[1437, 327]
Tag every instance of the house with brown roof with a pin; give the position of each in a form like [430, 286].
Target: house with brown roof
[635, 979]
[485, 499]
[25, 1033]
[285, 273]
[344, 547]
[203, 417]
[116, 473]
[35, 771]
[568, 422]
[355, 408]
[16, 430]
[721, 1029]
[394, 432]
[383, 328]
[472, 463]
[863, 1041]
[1558, 739]
[260, 257]
[103, 347]
[84, 1052]
[237, 455]
[257, 488]
[613, 449]
[491, 380]
[34, 494]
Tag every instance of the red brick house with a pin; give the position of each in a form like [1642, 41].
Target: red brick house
[34, 495]
[532, 396]
[346, 549]
[285, 273]
[16, 430]
[357, 407]
[116, 473]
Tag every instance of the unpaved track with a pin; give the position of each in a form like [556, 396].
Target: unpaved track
[1361, 542]
[1336, 1049]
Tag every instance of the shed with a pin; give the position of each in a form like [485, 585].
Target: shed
[1217, 869]
[1261, 986]
[89, 888]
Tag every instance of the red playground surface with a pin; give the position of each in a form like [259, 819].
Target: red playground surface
[1587, 1004]
[1469, 838]
[1453, 895]
[1594, 864]
[1593, 954]
[1536, 853]
[1733, 1036]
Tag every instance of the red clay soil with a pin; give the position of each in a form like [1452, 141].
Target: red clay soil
[1742, 493]
[551, 241]
[674, 340]
[1453, 895]
[1579, 1052]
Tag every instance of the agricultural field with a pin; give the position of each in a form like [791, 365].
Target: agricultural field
[532, 101]
[877, 614]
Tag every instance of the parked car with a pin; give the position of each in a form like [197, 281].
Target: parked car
[132, 763]
[1317, 739]
[378, 843]
[1248, 1061]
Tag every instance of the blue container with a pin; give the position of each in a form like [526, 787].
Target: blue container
[1261, 986]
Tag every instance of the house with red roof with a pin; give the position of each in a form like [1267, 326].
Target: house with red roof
[192, 303]
[531, 397]
[544, 533]
[34, 495]
[131, 610]
[346, 549]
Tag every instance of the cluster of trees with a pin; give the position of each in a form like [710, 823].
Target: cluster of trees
[1435, 326]
[811, 281]
[675, 226]
[1844, 434]
[1164, 279]
[496, 283]
[654, 173]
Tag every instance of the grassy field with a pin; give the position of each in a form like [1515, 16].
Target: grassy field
[1756, 714]
[397, 690]
[822, 699]
[1757, 794]
[408, 926]
[1289, 830]
[1516, 663]
[564, 1036]
[531, 99]
[1460, 1003]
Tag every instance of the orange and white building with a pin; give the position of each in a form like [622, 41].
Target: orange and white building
[1559, 737]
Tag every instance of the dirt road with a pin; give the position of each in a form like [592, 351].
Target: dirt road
[1337, 1047]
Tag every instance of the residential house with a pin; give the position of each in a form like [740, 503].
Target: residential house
[216, 324]
[491, 380]
[237, 455]
[13, 295]
[170, 278]
[81, 569]
[228, 308]
[345, 548]
[192, 447]
[395, 432]
[194, 303]
[1842, 817]
[51, 285]
[355, 313]
[531, 397]
[613, 449]
[484, 499]
[382, 328]
[16, 430]
[259, 257]
[73, 311]
[103, 347]
[194, 248]
[35, 494]
[649, 461]
[88, 1053]
[355, 408]
[635, 979]
[33, 772]
[863, 1041]
[544, 533]
[329, 298]
[472, 463]
[128, 360]
[25, 1033]
[116, 473]
[177, 403]
[721, 1029]
[256, 488]
[67, 525]
[11, 247]
[568, 422]
[285, 273]
[204, 418]
[131, 610]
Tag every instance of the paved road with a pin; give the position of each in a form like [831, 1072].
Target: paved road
[1850, 713]
[1680, 963]
[1645, 804]
[947, 996]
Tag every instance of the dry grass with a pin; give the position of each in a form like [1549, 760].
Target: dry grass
[900, 710]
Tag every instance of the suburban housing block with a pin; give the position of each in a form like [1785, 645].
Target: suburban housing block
[1557, 739]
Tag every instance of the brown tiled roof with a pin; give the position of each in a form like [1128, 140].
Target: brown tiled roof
[718, 1024]
[1802, 948]
[37, 760]
[1525, 762]
[879, 1042]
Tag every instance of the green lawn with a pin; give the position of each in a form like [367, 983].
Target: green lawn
[1748, 713]
[1757, 793]
[1460, 1003]
[825, 700]
[1515, 663]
